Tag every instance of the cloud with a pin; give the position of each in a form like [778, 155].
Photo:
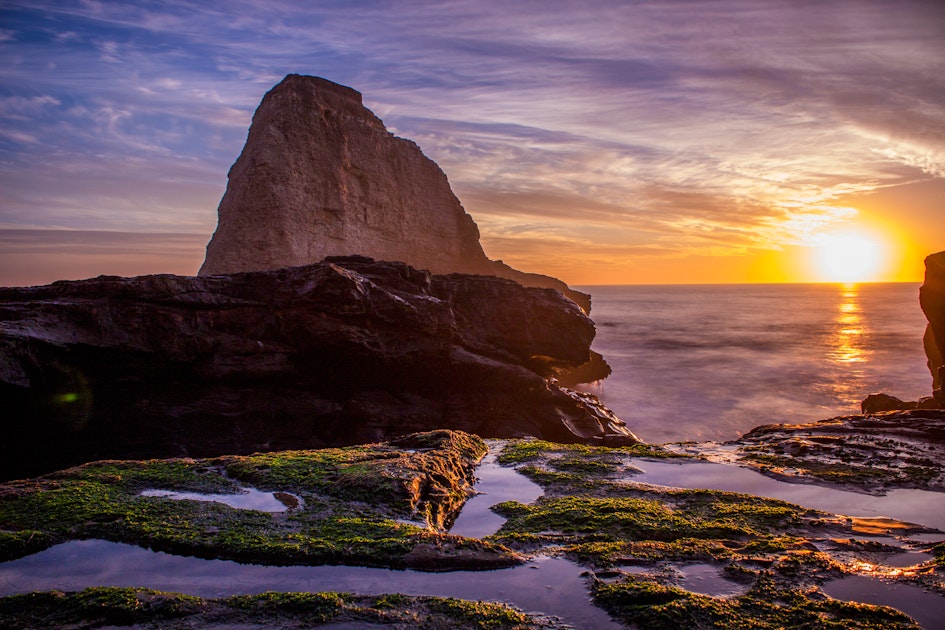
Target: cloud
[673, 126]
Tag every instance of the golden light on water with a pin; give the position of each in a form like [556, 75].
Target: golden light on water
[848, 337]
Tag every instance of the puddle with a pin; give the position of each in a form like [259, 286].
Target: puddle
[246, 499]
[913, 506]
[497, 484]
[707, 579]
[925, 607]
[552, 586]
[899, 560]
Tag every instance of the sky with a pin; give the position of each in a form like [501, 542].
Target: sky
[601, 141]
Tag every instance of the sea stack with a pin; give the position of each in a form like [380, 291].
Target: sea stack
[932, 300]
[321, 176]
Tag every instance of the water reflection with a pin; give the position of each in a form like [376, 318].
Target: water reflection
[846, 343]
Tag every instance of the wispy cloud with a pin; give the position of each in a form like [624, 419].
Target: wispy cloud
[656, 126]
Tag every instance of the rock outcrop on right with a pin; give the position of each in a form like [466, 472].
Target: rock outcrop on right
[932, 300]
[321, 176]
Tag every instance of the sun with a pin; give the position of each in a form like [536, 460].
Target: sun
[848, 257]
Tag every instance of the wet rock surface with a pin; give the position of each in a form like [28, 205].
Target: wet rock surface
[346, 351]
[870, 453]
[663, 557]
[384, 505]
[146, 608]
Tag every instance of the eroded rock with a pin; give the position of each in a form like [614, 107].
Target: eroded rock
[869, 453]
[320, 176]
[345, 351]
[932, 300]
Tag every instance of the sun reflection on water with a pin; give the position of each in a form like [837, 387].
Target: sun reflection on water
[847, 340]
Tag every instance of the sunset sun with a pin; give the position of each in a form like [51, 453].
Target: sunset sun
[849, 257]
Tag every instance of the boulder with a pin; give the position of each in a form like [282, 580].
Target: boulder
[875, 403]
[320, 176]
[932, 300]
[345, 351]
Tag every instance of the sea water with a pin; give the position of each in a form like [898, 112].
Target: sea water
[710, 362]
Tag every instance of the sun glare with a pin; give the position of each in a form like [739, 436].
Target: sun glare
[849, 257]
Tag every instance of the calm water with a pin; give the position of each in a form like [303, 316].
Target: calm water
[708, 362]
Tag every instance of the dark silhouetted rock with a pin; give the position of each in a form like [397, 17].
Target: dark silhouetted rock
[345, 351]
[932, 300]
[875, 403]
[320, 176]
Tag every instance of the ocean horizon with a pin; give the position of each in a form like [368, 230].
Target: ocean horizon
[695, 362]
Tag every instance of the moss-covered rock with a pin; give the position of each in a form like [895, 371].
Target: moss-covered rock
[351, 506]
[594, 513]
[647, 604]
[145, 608]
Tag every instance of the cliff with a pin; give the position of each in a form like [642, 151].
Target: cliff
[345, 351]
[320, 176]
[932, 300]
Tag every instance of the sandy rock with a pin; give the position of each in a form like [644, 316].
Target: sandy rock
[320, 176]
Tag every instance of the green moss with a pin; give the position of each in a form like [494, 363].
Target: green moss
[316, 607]
[664, 516]
[23, 543]
[521, 451]
[145, 608]
[95, 607]
[647, 604]
[606, 554]
[351, 499]
[477, 614]
[939, 552]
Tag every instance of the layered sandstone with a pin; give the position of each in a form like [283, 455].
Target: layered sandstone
[320, 176]
[345, 351]
[932, 300]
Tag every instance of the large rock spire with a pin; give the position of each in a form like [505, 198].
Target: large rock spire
[320, 176]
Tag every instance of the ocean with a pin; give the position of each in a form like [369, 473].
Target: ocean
[710, 362]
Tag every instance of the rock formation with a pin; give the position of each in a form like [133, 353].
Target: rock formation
[932, 300]
[321, 176]
[345, 351]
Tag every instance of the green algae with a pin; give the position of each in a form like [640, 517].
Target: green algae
[352, 505]
[595, 514]
[521, 451]
[145, 608]
[648, 604]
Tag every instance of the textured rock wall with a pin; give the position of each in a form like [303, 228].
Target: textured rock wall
[346, 351]
[932, 300]
[320, 176]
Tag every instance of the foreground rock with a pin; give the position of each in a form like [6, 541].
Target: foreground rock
[321, 176]
[868, 453]
[380, 505]
[146, 608]
[670, 558]
[342, 352]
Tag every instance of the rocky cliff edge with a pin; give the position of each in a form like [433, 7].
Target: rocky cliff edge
[345, 351]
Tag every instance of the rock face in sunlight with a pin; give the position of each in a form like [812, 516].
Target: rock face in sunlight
[345, 351]
[321, 176]
[932, 299]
